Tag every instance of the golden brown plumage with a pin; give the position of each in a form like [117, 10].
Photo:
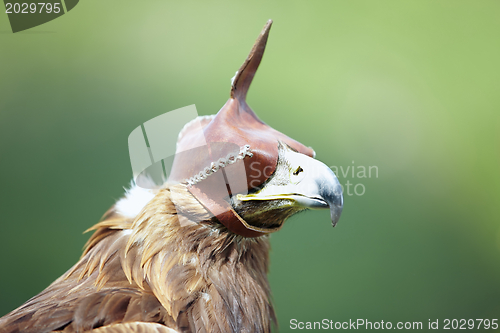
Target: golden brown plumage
[193, 257]
[195, 277]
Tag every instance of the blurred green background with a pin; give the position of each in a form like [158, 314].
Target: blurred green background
[411, 87]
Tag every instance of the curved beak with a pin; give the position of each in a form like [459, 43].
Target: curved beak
[305, 181]
[331, 191]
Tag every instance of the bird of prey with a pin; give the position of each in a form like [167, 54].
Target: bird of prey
[192, 254]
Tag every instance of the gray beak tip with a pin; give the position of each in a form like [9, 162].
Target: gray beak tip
[335, 210]
[335, 200]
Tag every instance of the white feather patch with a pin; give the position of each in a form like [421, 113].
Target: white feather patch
[136, 198]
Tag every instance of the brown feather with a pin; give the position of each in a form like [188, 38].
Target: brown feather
[191, 277]
[134, 327]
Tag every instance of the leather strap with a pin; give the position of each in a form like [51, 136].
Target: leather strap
[228, 216]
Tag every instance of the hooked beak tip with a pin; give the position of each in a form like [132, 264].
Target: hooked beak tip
[335, 214]
[335, 201]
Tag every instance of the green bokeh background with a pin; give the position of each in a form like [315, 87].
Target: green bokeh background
[411, 87]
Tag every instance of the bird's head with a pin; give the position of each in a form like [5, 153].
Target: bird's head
[250, 176]
[299, 182]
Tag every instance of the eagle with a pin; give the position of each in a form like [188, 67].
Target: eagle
[192, 255]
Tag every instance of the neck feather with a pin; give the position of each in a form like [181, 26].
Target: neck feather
[201, 273]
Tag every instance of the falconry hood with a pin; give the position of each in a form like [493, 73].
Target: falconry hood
[232, 152]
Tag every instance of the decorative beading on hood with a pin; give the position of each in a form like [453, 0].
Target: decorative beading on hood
[223, 164]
